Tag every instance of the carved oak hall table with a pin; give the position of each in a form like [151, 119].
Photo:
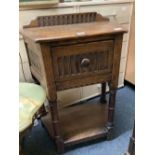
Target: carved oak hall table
[74, 50]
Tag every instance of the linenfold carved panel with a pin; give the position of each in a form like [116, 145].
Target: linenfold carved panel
[69, 62]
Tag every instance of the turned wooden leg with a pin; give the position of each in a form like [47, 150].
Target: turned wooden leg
[103, 93]
[56, 126]
[111, 109]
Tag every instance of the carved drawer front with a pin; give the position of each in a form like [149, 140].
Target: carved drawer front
[83, 61]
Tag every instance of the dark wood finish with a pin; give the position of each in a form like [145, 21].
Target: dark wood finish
[114, 80]
[103, 93]
[83, 128]
[74, 52]
[67, 62]
[65, 19]
[56, 126]
[72, 32]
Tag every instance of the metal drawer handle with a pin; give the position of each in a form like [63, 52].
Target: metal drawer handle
[85, 62]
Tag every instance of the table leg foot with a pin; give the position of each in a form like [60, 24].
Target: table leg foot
[60, 146]
[109, 126]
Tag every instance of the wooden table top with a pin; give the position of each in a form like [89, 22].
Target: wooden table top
[72, 31]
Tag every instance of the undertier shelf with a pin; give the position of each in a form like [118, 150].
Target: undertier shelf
[81, 122]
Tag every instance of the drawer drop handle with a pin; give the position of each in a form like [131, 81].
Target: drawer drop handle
[85, 62]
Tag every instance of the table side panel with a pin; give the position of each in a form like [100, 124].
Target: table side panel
[34, 57]
[40, 61]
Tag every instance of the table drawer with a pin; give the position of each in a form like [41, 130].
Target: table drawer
[82, 60]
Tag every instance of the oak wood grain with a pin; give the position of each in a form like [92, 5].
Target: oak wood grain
[53, 33]
[80, 50]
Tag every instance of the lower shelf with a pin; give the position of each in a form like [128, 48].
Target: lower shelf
[81, 122]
